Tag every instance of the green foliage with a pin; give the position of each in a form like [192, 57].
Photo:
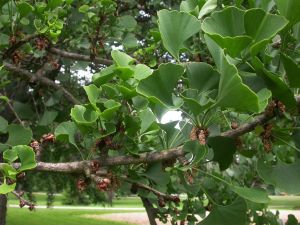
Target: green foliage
[224, 214]
[18, 135]
[221, 64]
[165, 77]
[175, 28]
[284, 176]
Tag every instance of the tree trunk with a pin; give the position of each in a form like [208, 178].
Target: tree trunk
[3, 209]
[110, 196]
[150, 210]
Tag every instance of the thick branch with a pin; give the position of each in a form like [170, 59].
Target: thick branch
[75, 167]
[44, 80]
[248, 127]
[79, 57]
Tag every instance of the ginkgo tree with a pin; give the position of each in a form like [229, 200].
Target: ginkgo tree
[231, 67]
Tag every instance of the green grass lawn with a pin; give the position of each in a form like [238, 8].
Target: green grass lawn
[277, 202]
[18, 216]
[41, 199]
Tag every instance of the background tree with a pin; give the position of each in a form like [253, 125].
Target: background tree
[230, 67]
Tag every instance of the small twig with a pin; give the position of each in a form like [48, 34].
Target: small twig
[167, 197]
[44, 80]
[23, 201]
[13, 110]
[79, 57]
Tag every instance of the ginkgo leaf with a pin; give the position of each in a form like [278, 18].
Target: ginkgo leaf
[159, 86]
[175, 28]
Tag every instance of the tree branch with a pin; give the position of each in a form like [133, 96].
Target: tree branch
[23, 201]
[44, 80]
[79, 166]
[79, 57]
[11, 108]
[17, 45]
[154, 191]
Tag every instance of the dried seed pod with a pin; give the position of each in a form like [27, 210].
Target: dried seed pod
[175, 199]
[95, 166]
[161, 202]
[22, 203]
[55, 65]
[81, 185]
[10, 181]
[21, 175]
[31, 207]
[103, 184]
[193, 134]
[199, 134]
[35, 145]
[16, 57]
[41, 43]
[47, 138]
[266, 137]
[267, 145]
[202, 137]
[234, 125]
[189, 177]
[270, 108]
[281, 107]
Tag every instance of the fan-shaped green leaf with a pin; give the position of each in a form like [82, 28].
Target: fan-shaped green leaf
[111, 107]
[292, 71]
[66, 132]
[202, 76]
[93, 93]
[121, 58]
[234, 214]
[18, 135]
[3, 125]
[226, 28]
[198, 151]
[232, 92]
[159, 86]
[208, 7]
[289, 9]
[285, 177]
[175, 28]
[24, 153]
[104, 75]
[224, 149]
[48, 117]
[83, 115]
[24, 8]
[278, 88]
[262, 27]
[5, 188]
[27, 157]
[256, 195]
